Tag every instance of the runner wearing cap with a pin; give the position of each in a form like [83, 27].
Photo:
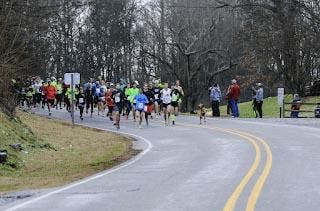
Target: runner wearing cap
[234, 97]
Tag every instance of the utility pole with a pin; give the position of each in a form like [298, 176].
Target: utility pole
[162, 39]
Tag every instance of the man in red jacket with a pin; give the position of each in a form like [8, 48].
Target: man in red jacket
[50, 96]
[234, 97]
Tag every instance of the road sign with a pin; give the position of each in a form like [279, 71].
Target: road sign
[76, 78]
[280, 97]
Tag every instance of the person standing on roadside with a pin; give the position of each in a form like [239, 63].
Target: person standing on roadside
[296, 105]
[258, 100]
[234, 98]
[215, 98]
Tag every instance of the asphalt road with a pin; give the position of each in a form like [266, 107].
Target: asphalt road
[227, 164]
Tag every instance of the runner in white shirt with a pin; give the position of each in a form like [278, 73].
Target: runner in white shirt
[38, 94]
[166, 102]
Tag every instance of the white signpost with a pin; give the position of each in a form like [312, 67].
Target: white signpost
[68, 78]
[281, 100]
[72, 79]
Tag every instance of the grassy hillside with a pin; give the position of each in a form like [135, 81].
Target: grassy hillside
[55, 153]
[271, 108]
[14, 131]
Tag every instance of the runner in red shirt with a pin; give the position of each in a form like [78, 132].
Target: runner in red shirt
[110, 102]
[50, 96]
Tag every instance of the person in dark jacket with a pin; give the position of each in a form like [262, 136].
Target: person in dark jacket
[295, 107]
[81, 101]
[215, 98]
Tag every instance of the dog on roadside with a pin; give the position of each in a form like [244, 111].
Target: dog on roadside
[202, 113]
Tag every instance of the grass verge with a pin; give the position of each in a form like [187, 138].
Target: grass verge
[55, 153]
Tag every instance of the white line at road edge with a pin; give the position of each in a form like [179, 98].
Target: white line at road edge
[89, 179]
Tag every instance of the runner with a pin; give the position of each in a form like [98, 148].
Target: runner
[166, 102]
[140, 103]
[59, 93]
[37, 88]
[150, 96]
[43, 94]
[175, 101]
[134, 91]
[102, 98]
[180, 89]
[118, 97]
[76, 93]
[110, 102]
[81, 102]
[127, 103]
[29, 97]
[157, 99]
[50, 96]
[67, 99]
[89, 94]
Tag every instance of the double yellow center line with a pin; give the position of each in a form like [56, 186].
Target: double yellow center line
[257, 144]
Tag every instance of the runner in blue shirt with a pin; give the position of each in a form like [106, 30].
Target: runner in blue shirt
[141, 103]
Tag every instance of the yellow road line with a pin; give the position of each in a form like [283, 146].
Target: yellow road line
[230, 205]
[256, 191]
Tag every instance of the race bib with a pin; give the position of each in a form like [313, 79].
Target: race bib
[140, 106]
[98, 90]
[156, 96]
[117, 99]
[167, 98]
[81, 100]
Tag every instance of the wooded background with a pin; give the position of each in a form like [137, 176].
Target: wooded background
[199, 42]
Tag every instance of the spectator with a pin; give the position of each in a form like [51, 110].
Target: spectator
[228, 99]
[317, 111]
[215, 98]
[234, 98]
[259, 100]
[295, 107]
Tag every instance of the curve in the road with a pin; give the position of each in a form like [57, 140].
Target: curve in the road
[256, 191]
[134, 160]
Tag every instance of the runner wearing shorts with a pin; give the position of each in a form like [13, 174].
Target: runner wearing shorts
[157, 99]
[117, 96]
[140, 107]
[150, 95]
[175, 99]
[50, 96]
[166, 102]
[127, 103]
[81, 102]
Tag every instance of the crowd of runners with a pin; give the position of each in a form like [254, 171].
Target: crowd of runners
[106, 99]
